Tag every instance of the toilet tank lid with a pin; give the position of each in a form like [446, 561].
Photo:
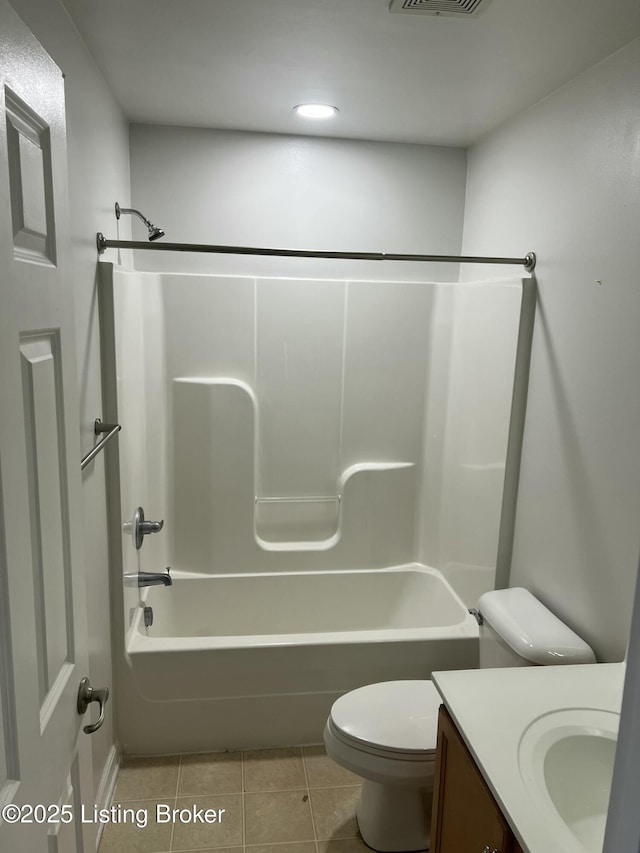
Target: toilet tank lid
[532, 631]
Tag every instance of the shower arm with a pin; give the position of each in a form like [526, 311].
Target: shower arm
[121, 210]
[529, 260]
[154, 232]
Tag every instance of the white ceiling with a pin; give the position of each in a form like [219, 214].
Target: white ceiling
[243, 64]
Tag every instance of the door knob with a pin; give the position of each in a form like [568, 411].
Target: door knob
[88, 694]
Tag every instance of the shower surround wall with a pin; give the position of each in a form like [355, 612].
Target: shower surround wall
[289, 422]
[293, 412]
[302, 425]
[296, 412]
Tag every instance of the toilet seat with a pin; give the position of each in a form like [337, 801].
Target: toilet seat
[428, 757]
[396, 719]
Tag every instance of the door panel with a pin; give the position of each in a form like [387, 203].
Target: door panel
[30, 181]
[45, 757]
[43, 403]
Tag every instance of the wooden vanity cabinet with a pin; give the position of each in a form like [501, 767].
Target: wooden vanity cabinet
[465, 818]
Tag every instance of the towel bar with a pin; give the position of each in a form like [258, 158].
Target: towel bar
[99, 428]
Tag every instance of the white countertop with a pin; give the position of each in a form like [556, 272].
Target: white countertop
[493, 707]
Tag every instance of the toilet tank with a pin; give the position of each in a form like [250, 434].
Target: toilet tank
[518, 630]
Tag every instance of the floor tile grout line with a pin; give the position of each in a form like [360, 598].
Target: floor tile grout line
[313, 819]
[179, 775]
[160, 798]
[175, 801]
[242, 803]
[278, 843]
[173, 825]
[296, 788]
[326, 787]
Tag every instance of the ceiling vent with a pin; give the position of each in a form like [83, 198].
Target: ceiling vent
[445, 8]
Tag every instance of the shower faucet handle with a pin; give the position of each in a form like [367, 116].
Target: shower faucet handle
[141, 527]
[151, 526]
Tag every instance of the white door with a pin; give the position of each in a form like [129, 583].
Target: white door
[44, 756]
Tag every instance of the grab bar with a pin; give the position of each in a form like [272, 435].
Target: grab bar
[98, 429]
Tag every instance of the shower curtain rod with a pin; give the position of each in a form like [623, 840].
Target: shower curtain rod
[529, 260]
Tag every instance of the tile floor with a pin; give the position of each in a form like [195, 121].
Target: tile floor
[293, 800]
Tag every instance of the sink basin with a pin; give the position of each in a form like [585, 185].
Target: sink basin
[566, 763]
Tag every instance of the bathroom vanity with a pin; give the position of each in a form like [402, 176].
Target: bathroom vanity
[525, 758]
[466, 817]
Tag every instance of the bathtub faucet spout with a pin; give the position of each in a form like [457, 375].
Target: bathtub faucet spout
[150, 578]
[155, 578]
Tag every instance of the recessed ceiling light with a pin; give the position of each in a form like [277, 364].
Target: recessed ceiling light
[315, 110]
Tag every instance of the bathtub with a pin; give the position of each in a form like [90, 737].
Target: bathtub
[257, 659]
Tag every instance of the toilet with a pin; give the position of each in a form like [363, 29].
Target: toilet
[386, 733]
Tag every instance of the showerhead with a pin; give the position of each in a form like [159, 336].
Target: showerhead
[155, 233]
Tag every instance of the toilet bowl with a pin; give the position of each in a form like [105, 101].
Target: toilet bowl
[386, 733]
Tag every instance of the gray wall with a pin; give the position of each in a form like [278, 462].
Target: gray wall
[256, 189]
[563, 180]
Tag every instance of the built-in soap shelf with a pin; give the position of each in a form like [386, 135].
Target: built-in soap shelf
[316, 523]
[215, 431]
[306, 518]
[300, 499]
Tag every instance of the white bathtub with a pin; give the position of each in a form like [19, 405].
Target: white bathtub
[285, 645]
